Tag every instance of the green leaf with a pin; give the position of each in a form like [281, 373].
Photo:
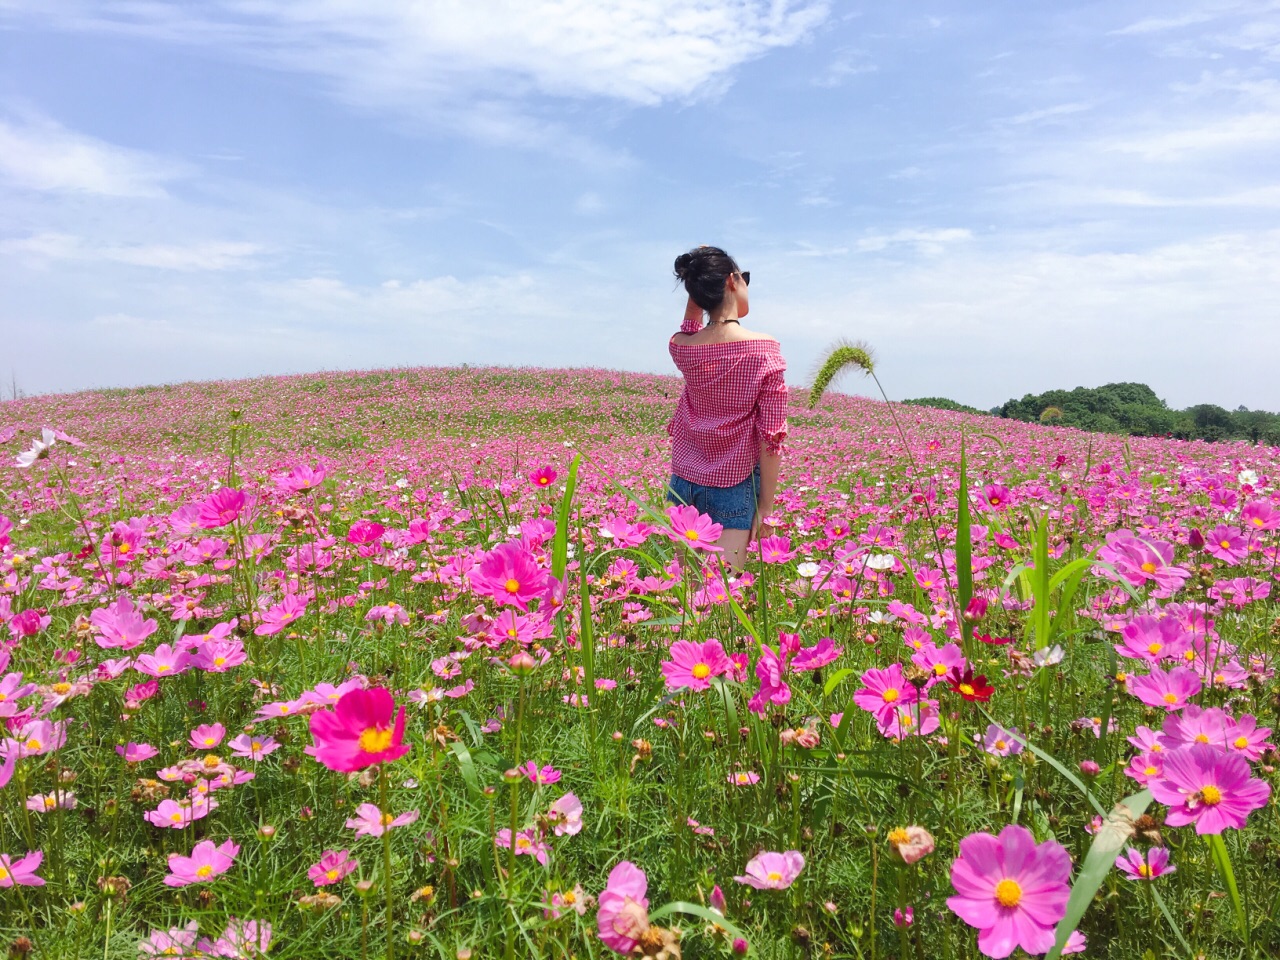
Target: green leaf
[964, 542]
[701, 912]
[560, 545]
[1222, 859]
[835, 680]
[1071, 778]
[466, 767]
[1107, 843]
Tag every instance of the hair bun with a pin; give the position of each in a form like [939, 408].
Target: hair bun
[683, 264]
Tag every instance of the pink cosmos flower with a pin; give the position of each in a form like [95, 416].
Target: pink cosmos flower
[1226, 543]
[207, 736]
[21, 872]
[1000, 742]
[773, 871]
[44, 803]
[542, 477]
[332, 867]
[1245, 737]
[1153, 639]
[207, 861]
[252, 748]
[696, 529]
[372, 822]
[911, 844]
[137, 752]
[242, 940]
[1011, 889]
[816, 657]
[176, 943]
[220, 508]
[744, 778]
[121, 625]
[219, 656]
[165, 661]
[1195, 725]
[1259, 515]
[939, 661]
[1137, 867]
[884, 691]
[302, 477]
[359, 731]
[539, 776]
[770, 669]
[1145, 767]
[510, 575]
[566, 815]
[776, 549]
[528, 844]
[36, 738]
[623, 916]
[7, 767]
[1209, 787]
[916, 719]
[280, 615]
[692, 665]
[178, 815]
[364, 532]
[1168, 690]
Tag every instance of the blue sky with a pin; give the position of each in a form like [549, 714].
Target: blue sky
[1000, 197]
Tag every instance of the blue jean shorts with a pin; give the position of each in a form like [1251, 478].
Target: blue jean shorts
[732, 507]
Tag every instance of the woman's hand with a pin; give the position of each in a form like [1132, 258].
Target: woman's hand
[759, 529]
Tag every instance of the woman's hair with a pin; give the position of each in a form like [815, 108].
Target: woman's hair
[703, 271]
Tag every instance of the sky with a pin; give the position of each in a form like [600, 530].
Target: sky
[999, 197]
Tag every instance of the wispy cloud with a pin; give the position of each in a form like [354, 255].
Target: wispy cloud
[211, 255]
[39, 154]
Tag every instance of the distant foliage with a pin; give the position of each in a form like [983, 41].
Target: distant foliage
[942, 403]
[1134, 408]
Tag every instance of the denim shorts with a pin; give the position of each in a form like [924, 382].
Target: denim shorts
[732, 507]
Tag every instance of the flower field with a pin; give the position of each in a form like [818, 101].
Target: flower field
[418, 663]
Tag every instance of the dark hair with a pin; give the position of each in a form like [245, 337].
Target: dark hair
[703, 271]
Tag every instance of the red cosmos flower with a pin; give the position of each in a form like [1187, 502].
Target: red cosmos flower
[970, 687]
[359, 731]
[994, 641]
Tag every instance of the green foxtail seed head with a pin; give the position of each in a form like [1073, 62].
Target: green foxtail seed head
[843, 355]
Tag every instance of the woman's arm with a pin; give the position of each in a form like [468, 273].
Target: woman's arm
[692, 316]
[770, 464]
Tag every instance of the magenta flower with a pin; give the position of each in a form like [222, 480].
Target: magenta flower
[164, 662]
[816, 657]
[1260, 515]
[696, 529]
[137, 752]
[177, 815]
[542, 477]
[1245, 737]
[1000, 742]
[1194, 725]
[773, 871]
[37, 738]
[21, 872]
[207, 736]
[1226, 543]
[527, 844]
[1137, 867]
[219, 656]
[1209, 787]
[776, 549]
[121, 625]
[1166, 689]
[623, 916]
[359, 732]
[206, 862]
[252, 748]
[770, 670]
[566, 815]
[510, 575]
[372, 822]
[332, 867]
[247, 939]
[1153, 639]
[692, 665]
[176, 943]
[540, 776]
[1011, 889]
[743, 778]
[280, 615]
[220, 508]
[364, 532]
[884, 691]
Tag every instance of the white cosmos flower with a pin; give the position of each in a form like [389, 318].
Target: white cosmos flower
[880, 616]
[1048, 657]
[39, 449]
[1247, 476]
[880, 561]
[809, 569]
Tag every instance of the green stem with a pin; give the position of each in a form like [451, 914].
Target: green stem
[386, 858]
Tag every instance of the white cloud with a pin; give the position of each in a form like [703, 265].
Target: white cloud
[1244, 131]
[211, 255]
[1048, 113]
[416, 56]
[41, 155]
[924, 241]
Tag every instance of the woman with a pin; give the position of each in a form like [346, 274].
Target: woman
[731, 420]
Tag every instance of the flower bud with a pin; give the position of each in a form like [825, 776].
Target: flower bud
[522, 664]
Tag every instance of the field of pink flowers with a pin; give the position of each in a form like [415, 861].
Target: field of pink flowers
[418, 663]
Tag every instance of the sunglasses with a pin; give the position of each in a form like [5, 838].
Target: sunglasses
[746, 277]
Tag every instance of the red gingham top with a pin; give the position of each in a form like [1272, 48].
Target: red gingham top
[734, 399]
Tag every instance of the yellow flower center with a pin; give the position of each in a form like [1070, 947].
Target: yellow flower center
[1211, 795]
[4, 874]
[1154, 648]
[1226, 544]
[204, 871]
[570, 897]
[939, 669]
[211, 761]
[1000, 745]
[386, 819]
[61, 687]
[523, 843]
[163, 667]
[512, 585]
[50, 802]
[219, 661]
[175, 817]
[375, 740]
[331, 874]
[1170, 698]
[966, 689]
[691, 534]
[1189, 656]
[1151, 771]
[256, 745]
[890, 695]
[1008, 893]
[897, 836]
[33, 744]
[1148, 567]
[701, 671]
[774, 876]
[1144, 871]
[1202, 738]
[1242, 742]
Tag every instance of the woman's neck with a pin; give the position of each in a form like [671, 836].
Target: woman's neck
[726, 312]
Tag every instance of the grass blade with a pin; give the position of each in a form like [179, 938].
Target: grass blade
[964, 545]
[560, 546]
[1222, 859]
